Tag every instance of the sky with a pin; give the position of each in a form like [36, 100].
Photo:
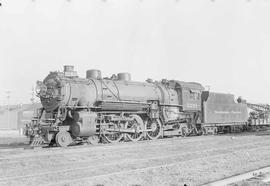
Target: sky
[223, 44]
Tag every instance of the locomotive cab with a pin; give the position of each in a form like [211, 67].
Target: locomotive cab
[181, 108]
[190, 95]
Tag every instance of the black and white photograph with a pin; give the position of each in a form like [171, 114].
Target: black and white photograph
[134, 93]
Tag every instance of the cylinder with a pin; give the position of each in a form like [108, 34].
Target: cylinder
[84, 124]
[124, 76]
[96, 74]
[68, 68]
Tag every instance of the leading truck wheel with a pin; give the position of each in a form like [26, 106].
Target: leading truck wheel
[153, 129]
[63, 139]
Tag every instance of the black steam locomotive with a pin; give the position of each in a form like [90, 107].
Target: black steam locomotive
[96, 109]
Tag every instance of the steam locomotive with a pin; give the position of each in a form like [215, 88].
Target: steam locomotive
[95, 109]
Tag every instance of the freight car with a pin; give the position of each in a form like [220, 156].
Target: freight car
[96, 109]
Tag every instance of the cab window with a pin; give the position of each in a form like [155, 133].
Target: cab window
[194, 95]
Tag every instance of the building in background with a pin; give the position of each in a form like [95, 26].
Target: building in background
[16, 116]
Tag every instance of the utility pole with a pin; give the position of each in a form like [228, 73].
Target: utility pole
[207, 87]
[33, 95]
[8, 97]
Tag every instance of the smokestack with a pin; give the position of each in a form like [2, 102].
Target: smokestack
[69, 71]
[68, 68]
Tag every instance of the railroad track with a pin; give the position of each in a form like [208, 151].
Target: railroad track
[124, 172]
[10, 148]
[118, 146]
[38, 159]
[68, 165]
[44, 155]
[258, 173]
[193, 151]
[23, 153]
[126, 167]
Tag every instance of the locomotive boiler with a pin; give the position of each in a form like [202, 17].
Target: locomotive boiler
[95, 109]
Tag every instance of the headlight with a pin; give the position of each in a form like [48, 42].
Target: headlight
[41, 89]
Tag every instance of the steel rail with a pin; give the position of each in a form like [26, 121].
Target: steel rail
[239, 177]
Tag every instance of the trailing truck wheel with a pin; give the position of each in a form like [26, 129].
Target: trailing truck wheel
[199, 132]
[63, 139]
[153, 129]
[215, 130]
[184, 131]
[137, 126]
[204, 131]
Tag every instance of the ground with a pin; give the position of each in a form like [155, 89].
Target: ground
[173, 161]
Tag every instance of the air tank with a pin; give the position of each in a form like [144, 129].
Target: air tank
[93, 73]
